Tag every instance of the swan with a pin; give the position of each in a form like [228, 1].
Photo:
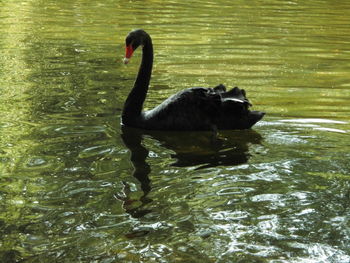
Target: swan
[193, 109]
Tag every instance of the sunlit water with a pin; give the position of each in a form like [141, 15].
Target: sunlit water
[76, 187]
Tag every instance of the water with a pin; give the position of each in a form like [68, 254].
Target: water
[76, 187]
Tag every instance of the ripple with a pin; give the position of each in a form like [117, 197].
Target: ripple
[313, 120]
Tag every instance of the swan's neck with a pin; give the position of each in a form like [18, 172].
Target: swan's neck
[134, 103]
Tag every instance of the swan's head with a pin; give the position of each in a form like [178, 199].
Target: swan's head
[133, 40]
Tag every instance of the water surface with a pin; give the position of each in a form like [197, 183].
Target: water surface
[77, 187]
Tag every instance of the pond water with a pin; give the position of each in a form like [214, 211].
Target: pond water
[77, 187]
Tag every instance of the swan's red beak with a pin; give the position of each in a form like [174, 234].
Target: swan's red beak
[128, 53]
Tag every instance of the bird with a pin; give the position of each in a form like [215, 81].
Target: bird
[192, 109]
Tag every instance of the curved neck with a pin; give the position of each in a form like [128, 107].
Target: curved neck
[134, 103]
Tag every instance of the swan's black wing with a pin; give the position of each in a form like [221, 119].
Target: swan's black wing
[190, 109]
[202, 109]
[235, 95]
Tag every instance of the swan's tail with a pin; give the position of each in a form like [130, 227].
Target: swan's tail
[255, 116]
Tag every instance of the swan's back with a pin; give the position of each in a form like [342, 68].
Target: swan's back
[202, 109]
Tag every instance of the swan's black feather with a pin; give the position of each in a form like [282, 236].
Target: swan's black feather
[201, 109]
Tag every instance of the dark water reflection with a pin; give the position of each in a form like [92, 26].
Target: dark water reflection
[77, 187]
[189, 149]
[200, 149]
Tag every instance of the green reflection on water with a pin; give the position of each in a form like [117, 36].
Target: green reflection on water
[73, 186]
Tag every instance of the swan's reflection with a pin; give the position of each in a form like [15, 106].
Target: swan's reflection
[189, 149]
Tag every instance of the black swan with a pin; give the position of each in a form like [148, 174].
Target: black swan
[190, 109]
